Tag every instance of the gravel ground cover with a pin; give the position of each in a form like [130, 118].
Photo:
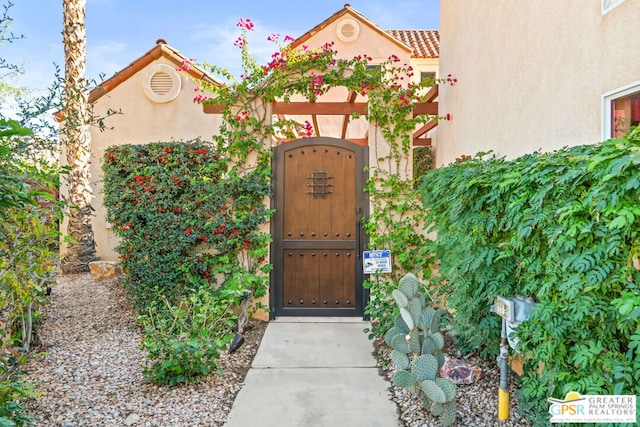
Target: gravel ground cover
[89, 372]
[477, 402]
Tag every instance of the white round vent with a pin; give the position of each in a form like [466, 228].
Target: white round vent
[348, 30]
[161, 83]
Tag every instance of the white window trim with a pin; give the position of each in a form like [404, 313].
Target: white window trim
[609, 5]
[606, 105]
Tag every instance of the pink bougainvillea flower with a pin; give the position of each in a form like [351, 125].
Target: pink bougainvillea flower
[306, 131]
[245, 23]
[186, 65]
[316, 82]
[240, 42]
[288, 39]
[200, 98]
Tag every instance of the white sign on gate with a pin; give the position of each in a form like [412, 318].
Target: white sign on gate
[376, 262]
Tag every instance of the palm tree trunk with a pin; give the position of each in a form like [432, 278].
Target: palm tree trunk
[77, 140]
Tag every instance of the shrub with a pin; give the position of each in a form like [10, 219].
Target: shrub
[28, 240]
[561, 228]
[180, 342]
[190, 249]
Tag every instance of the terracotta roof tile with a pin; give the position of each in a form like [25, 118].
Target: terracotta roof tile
[425, 43]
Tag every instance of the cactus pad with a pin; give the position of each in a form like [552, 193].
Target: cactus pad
[425, 367]
[414, 340]
[448, 387]
[400, 298]
[415, 309]
[404, 379]
[408, 285]
[437, 408]
[399, 343]
[421, 298]
[438, 339]
[400, 360]
[408, 319]
[401, 325]
[449, 414]
[428, 346]
[436, 321]
[427, 317]
[440, 358]
[388, 337]
[433, 391]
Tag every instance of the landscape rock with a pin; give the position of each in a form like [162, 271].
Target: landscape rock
[132, 419]
[459, 371]
[103, 270]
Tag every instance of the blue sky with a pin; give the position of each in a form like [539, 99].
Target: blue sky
[119, 31]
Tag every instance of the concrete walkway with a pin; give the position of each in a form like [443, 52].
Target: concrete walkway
[314, 372]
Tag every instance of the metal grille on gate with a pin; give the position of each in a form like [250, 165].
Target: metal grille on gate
[320, 188]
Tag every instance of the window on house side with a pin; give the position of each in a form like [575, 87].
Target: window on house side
[621, 110]
[626, 114]
[428, 75]
[608, 5]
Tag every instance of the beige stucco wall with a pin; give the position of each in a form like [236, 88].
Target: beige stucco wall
[531, 74]
[369, 42]
[140, 121]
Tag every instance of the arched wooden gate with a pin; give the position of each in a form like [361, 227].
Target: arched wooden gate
[317, 228]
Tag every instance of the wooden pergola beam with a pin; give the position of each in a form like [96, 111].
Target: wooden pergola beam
[431, 95]
[326, 108]
[422, 142]
[429, 108]
[351, 98]
[319, 108]
[425, 128]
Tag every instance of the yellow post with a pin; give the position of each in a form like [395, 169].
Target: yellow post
[503, 363]
[503, 405]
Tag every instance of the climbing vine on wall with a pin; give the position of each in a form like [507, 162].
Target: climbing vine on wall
[396, 220]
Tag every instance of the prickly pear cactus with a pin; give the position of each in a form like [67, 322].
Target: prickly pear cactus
[417, 345]
[425, 367]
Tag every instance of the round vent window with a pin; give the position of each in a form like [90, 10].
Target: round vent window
[348, 30]
[161, 83]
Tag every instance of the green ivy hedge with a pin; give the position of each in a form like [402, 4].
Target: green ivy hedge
[559, 227]
[189, 237]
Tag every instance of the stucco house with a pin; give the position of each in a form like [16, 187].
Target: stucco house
[537, 75]
[156, 104]
[153, 103]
